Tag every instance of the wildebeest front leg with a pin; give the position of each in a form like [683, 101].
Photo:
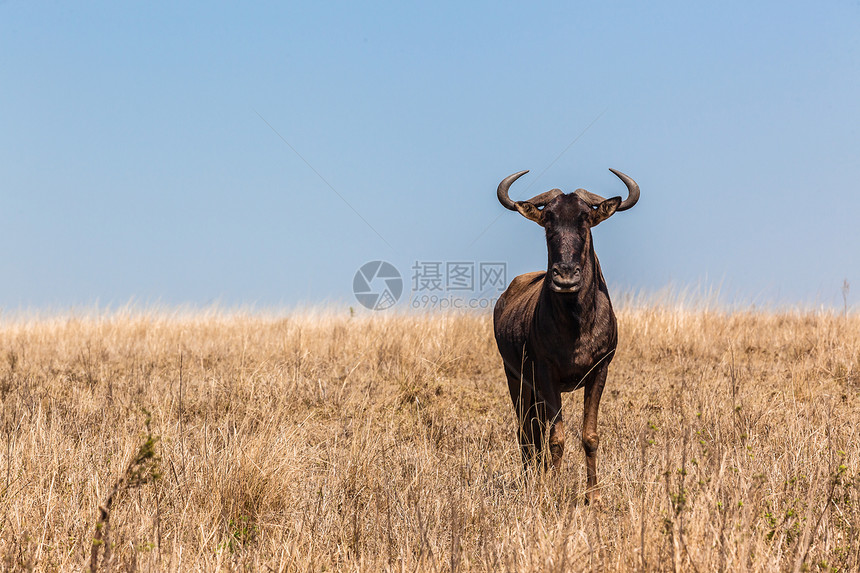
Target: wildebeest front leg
[590, 440]
[522, 396]
[551, 418]
[546, 425]
[537, 403]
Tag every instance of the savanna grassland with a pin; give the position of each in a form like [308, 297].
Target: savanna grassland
[319, 441]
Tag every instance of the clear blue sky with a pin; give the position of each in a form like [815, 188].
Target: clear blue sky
[134, 163]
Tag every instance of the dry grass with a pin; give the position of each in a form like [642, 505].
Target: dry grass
[321, 442]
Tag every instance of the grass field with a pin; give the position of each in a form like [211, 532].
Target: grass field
[320, 442]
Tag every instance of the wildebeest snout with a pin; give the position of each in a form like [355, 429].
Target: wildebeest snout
[566, 276]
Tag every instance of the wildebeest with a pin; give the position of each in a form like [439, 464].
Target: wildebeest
[556, 330]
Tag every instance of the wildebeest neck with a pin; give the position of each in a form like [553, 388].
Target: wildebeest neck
[575, 310]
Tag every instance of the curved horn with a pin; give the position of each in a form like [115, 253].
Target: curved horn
[590, 198]
[632, 191]
[545, 197]
[502, 192]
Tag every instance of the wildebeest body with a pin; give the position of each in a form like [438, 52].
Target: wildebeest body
[550, 325]
[556, 330]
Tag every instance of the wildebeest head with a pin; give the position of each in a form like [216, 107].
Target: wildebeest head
[568, 219]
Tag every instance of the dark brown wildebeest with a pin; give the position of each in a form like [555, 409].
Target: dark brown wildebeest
[556, 330]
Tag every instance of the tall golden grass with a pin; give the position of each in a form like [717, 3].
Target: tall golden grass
[320, 442]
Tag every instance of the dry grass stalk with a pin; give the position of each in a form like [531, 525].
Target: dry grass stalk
[142, 468]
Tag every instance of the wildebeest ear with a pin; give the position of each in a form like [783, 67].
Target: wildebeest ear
[604, 210]
[529, 211]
